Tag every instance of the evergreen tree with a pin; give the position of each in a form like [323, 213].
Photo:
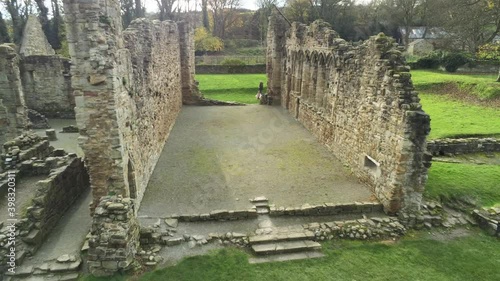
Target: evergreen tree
[4, 34]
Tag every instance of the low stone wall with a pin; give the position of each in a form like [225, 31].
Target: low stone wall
[54, 196]
[489, 220]
[217, 215]
[462, 146]
[24, 148]
[327, 209]
[115, 234]
[230, 69]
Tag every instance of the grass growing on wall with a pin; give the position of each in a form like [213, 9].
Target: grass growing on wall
[231, 87]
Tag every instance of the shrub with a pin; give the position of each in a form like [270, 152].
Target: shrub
[452, 61]
[430, 61]
[232, 62]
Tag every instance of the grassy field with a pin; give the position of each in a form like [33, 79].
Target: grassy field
[231, 87]
[482, 86]
[418, 256]
[452, 118]
[452, 180]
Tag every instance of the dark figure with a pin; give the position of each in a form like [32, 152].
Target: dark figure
[261, 87]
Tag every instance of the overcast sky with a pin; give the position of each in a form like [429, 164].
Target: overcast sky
[151, 5]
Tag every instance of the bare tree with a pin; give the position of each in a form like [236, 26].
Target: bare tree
[265, 8]
[166, 8]
[223, 14]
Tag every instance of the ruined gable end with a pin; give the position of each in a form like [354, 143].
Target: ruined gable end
[34, 42]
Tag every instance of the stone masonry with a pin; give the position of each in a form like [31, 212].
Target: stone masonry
[34, 42]
[47, 85]
[359, 101]
[128, 91]
[13, 116]
[45, 76]
[154, 97]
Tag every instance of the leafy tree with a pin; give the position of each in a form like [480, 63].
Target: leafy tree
[56, 27]
[490, 52]
[300, 11]
[471, 23]
[43, 16]
[206, 42]
[4, 34]
[18, 14]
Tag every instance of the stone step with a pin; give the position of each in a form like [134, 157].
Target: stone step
[262, 210]
[260, 199]
[285, 247]
[286, 257]
[261, 204]
[273, 238]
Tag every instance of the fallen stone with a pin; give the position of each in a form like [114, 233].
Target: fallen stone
[198, 237]
[60, 267]
[172, 222]
[192, 244]
[66, 258]
[69, 277]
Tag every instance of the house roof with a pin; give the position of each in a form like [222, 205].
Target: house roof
[417, 32]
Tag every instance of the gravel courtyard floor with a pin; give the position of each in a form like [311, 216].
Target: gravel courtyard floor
[219, 157]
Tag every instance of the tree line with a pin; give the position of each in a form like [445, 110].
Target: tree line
[471, 22]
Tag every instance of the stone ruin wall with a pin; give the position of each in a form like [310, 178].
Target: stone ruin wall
[127, 87]
[153, 97]
[359, 101]
[45, 76]
[13, 118]
[47, 85]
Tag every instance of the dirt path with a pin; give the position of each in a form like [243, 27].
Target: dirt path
[219, 157]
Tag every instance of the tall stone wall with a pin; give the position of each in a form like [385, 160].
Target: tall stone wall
[47, 85]
[99, 66]
[190, 92]
[360, 102]
[154, 96]
[13, 118]
[128, 92]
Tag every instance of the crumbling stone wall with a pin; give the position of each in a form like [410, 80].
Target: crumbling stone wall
[67, 181]
[127, 88]
[154, 96]
[13, 117]
[47, 85]
[359, 101]
[114, 236]
[190, 92]
[100, 65]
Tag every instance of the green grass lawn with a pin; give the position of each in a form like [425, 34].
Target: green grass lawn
[451, 118]
[231, 87]
[483, 86]
[453, 180]
[413, 258]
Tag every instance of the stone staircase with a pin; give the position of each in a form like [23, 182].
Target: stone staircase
[284, 246]
[261, 205]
